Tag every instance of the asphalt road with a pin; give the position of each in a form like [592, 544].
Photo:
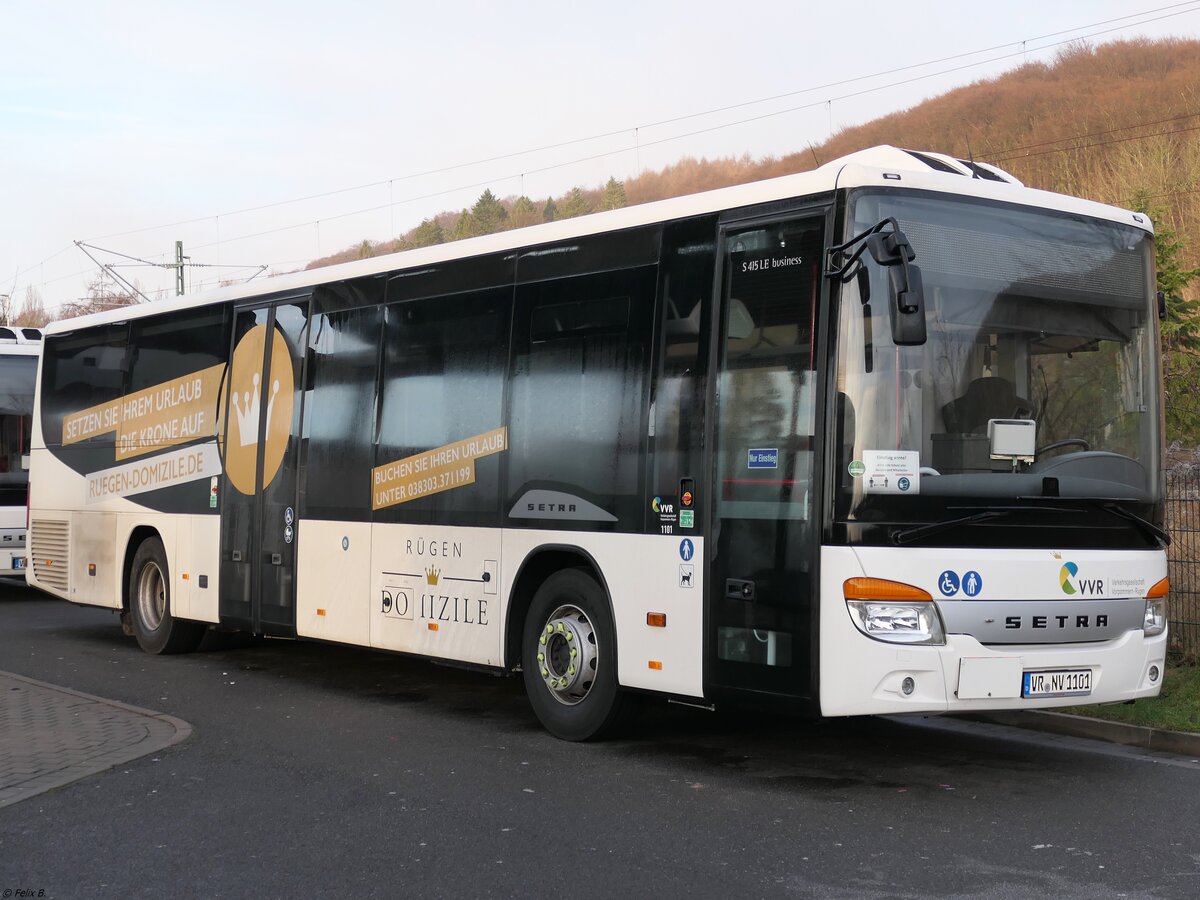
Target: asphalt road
[317, 770]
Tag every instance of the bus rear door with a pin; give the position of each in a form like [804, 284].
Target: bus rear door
[261, 459]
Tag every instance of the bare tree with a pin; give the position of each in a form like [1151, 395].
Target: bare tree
[33, 311]
[102, 294]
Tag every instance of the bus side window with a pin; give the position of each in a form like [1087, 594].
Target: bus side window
[339, 414]
[579, 386]
[684, 322]
[81, 372]
[443, 382]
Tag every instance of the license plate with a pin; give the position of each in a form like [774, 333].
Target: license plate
[18, 562]
[1064, 683]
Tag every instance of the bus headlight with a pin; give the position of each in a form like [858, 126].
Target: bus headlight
[1156, 616]
[893, 611]
[901, 623]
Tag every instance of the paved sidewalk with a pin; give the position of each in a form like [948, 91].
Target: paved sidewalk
[51, 736]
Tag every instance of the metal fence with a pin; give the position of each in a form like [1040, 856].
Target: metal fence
[1183, 559]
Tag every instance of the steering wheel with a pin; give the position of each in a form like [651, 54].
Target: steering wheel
[1065, 442]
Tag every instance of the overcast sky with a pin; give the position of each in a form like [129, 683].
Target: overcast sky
[135, 124]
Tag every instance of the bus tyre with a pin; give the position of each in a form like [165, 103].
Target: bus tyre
[156, 630]
[569, 659]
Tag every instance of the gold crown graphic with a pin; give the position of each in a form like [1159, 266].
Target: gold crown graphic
[432, 574]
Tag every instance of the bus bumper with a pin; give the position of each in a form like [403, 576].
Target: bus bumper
[871, 680]
[860, 675]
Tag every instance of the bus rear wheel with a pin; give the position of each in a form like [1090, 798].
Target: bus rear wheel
[156, 629]
[569, 659]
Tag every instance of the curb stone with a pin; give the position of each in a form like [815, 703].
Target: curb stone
[51, 736]
[1179, 742]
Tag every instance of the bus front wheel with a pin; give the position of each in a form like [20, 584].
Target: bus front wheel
[569, 659]
[156, 629]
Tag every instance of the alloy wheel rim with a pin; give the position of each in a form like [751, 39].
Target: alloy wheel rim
[567, 655]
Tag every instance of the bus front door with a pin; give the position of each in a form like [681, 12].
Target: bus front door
[260, 449]
[761, 589]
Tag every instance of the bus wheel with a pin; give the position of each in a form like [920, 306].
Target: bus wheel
[156, 630]
[569, 659]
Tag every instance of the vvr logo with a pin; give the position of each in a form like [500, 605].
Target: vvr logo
[659, 507]
[1068, 578]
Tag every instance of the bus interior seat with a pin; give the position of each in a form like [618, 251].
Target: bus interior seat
[990, 397]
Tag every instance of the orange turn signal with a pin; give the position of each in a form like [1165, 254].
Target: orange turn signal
[656, 620]
[881, 589]
[320, 612]
[1160, 589]
[432, 626]
[655, 664]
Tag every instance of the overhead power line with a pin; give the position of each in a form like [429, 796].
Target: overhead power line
[1191, 6]
[1144, 17]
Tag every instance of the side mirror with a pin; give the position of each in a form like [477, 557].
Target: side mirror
[908, 305]
[907, 308]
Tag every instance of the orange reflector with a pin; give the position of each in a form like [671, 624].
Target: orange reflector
[186, 576]
[656, 620]
[881, 589]
[655, 664]
[49, 562]
[320, 612]
[432, 626]
[1160, 589]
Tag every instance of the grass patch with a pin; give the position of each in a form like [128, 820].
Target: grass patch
[1177, 708]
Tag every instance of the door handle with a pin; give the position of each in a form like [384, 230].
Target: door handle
[277, 559]
[237, 555]
[739, 589]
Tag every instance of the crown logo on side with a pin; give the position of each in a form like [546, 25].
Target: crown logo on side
[432, 575]
[247, 418]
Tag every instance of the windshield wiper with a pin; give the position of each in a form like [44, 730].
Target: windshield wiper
[908, 535]
[1145, 526]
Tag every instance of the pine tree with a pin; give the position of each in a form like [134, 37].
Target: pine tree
[576, 205]
[614, 194]
[427, 234]
[550, 210]
[488, 215]
[463, 227]
[524, 213]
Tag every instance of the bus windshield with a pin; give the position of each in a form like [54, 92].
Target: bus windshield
[1038, 376]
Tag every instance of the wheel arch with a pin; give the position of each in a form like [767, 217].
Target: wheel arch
[539, 564]
[137, 537]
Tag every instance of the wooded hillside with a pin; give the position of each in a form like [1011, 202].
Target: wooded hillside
[1119, 123]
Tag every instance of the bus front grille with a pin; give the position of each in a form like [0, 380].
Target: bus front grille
[49, 542]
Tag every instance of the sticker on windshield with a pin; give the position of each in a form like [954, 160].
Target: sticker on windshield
[856, 468]
[891, 472]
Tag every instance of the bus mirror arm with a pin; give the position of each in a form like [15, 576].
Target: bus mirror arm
[892, 250]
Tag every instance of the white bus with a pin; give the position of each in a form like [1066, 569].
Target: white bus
[19, 350]
[884, 437]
